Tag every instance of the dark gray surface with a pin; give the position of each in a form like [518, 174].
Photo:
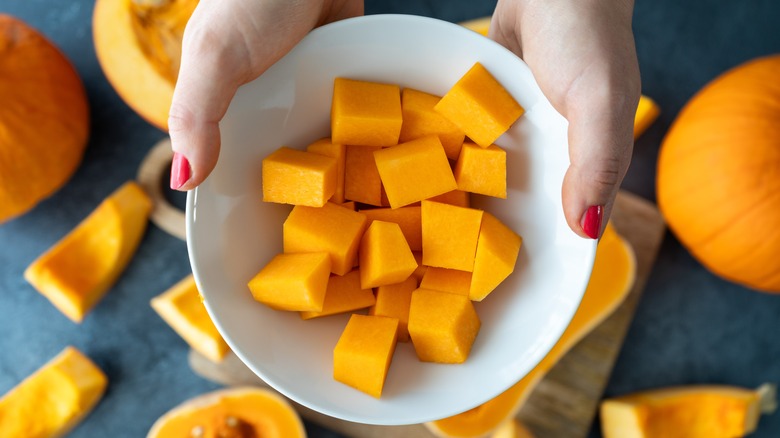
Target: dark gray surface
[690, 327]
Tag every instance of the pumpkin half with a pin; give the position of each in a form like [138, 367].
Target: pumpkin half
[613, 275]
[231, 413]
[138, 45]
[44, 118]
[718, 179]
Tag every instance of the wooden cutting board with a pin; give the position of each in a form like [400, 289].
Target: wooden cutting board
[564, 403]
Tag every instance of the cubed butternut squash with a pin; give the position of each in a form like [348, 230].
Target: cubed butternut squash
[296, 177]
[480, 106]
[295, 282]
[449, 235]
[481, 170]
[408, 218]
[362, 182]
[364, 352]
[455, 197]
[447, 280]
[497, 250]
[385, 257]
[365, 113]
[420, 120]
[414, 171]
[343, 294]
[419, 273]
[443, 326]
[338, 151]
[393, 300]
[332, 229]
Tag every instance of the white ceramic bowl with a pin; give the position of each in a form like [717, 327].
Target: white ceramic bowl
[232, 234]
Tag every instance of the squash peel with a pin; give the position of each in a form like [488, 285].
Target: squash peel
[613, 275]
[182, 308]
[77, 271]
[695, 411]
[54, 399]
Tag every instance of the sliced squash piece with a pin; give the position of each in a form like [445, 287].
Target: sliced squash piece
[54, 399]
[236, 412]
[77, 271]
[696, 411]
[614, 271]
[182, 308]
[512, 429]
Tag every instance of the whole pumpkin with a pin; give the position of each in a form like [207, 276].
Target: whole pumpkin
[718, 178]
[44, 118]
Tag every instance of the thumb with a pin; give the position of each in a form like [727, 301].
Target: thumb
[210, 73]
[600, 147]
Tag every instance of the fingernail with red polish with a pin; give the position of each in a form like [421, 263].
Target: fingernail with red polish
[180, 171]
[591, 221]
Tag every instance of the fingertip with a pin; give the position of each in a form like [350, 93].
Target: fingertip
[196, 150]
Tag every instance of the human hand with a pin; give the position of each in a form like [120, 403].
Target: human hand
[226, 44]
[582, 54]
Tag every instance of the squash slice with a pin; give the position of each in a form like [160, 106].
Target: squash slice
[54, 399]
[77, 271]
[182, 308]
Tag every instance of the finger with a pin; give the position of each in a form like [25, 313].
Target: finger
[600, 147]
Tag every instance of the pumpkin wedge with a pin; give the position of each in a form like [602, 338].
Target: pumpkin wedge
[696, 411]
[182, 308]
[613, 275]
[243, 412]
[54, 399]
[77, 271]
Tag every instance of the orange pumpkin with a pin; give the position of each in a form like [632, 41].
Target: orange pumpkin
[44, 118]
[719, 175]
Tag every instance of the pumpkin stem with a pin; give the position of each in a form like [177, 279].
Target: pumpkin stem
[767, 394]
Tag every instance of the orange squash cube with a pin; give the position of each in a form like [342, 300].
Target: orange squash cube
[364, 351]
[414, 171]
[393, 300]
[385, 257]
[338, 151]
[408, 218]
[365, 113]
[343, 294]
[480, 106]
[296, 177]
[455, 197]
[482, 170]
[331, 228]
[421, 120]
[349, 205]
[450, 235]
[447, 280]
[361, 177]
[497, 251]
[442, 326]
[295, 282]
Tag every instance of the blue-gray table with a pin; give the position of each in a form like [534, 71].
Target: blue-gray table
[690, 327]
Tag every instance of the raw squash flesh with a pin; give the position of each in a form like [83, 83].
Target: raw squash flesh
[138, 44]
[182, 308]
[613, 275]
[243, 412]
[54, 399]
[77, 271]
[697, 411]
